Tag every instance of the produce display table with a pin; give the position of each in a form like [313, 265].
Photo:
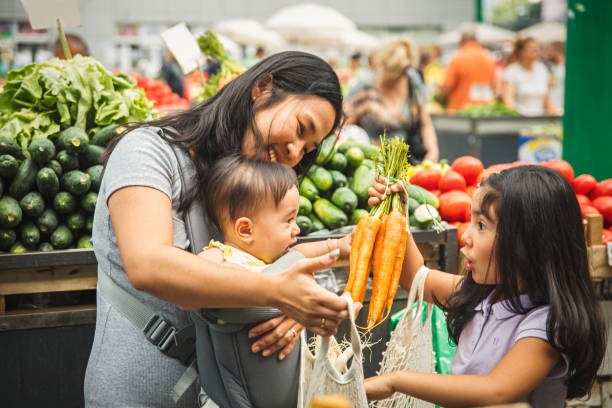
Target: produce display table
[492, 139]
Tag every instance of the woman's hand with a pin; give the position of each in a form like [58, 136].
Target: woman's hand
[344, 243]
[379, 387]
[279, 333]
[379, 191]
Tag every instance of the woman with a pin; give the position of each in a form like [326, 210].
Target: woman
[392, 101]
[280, 109]
[526, 85]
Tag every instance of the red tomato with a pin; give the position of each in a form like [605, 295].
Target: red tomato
[603, 188]
[584, 183]
[496, 168]
[435, 192]
[470, 190]
[454, 205]
[562, 167]
[469, 167]
[583, 200]
[427, 178]
[604, 206]
[587, 209]
[607, 236]
[460, 231]
[452, 180]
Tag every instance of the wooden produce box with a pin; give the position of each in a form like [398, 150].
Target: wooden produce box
[599, 262]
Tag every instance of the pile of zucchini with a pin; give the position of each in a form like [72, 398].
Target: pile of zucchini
[48, 195]
[334, 191]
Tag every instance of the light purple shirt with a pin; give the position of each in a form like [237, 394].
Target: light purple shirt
[492, 332]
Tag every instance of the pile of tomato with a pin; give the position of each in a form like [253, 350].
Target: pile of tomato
[159, 92]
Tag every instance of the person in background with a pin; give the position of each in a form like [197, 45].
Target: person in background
[75, 43]
[526, 84]
[470, 75]
[172, 74]
[393, 100]
[555, 55]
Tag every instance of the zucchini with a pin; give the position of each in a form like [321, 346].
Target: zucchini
[76, 221]
[337, 162]
[74, 140]
[369, 163]
[363, 179]
[18, 248]
[305, 207]
[24, 179]
[91, 156]
[45, 246]
[316, 223]
[89, 201]
[339, 179]
[62, 237]
[89, 223]
[332, 216]
[67, 161]
[322, 179]
[7, 238]
[47, 221]
[63, 203]
[10, 212]
[104, 135]
[84, 242]
[369, 151]
[47, 182]
[356, 216]
[76, 182]
[30, 235]
[326, 149]
[345, 199]
[32, 204]
[304, 223]
[95, 173]
[41, 150]
[56, 167]
[308, 189]
[8, 166]
[423, 196]
[9, 146]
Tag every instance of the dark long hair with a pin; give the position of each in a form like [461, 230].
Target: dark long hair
[540, 245]
[217, 126]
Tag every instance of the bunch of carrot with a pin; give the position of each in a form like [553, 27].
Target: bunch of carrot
[380, 238]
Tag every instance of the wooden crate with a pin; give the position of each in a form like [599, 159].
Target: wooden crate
[599, 263]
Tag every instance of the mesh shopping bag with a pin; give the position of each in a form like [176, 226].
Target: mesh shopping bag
[410, 345]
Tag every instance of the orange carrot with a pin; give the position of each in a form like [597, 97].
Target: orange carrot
[397, 268]
[363, 262]
[378, 247]
[392, 240]
[355, 245]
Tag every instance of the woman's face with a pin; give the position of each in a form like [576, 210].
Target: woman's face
[291, 128]
[531, 51]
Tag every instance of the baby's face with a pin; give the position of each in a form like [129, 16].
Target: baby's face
[274, 227]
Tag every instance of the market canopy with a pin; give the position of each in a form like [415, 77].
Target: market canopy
[249, 32]
[546, 32]
[486, 34]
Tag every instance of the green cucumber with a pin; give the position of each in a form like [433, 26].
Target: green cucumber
[95, 173]
[32, 204]
[9, 146]
[75, 222]
[326, 149]
[8, 166]
[316, 223]
[338, 178]
[67, 161]
[305, 207]
[30, 235]
[7, 238]
[64, 203]
[345, 199]
[84, 242]
[45, 246]
[423, 196]
[337, 162]
[47, 182]
[10, 212]
[363, 179]
[24, 179]
[332, 216]
[369, 163]
[91, 156]
[369, 151]
[61, 238]
[412, 205]
[74, 140]
[56, 167]
[347, 144]
[425, 214]
[357, 215]
[47, 221]
[89, 223]
[304, 223]
[41, 150]
[76, 182]
[104, 135]
[322, 179]
[18, 248]
[308, 189]
[89, 201]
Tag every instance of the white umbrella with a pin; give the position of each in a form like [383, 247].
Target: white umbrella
[546, 32]
[358, 40]
[308, 23]
[485, 34]
[249, 32]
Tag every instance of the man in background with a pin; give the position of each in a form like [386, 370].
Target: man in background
[470, 75]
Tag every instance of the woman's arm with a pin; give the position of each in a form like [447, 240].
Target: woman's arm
[142, 220]
[509, 94]
[428, 134]
[521, 370]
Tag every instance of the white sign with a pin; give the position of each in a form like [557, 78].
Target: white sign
[44, 13]
[184, 47]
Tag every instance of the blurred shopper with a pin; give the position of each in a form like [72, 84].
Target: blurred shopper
[172, 74]
[527, 80]
[75, 43]
[555, 55]
[392, 101]
[470, 75]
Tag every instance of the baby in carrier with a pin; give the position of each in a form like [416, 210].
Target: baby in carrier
[255, 204]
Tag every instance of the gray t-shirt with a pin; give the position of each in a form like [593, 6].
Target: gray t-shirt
[124, 368]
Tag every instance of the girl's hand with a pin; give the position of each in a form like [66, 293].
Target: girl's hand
[279, 333]
[379, 387]
[377, 191]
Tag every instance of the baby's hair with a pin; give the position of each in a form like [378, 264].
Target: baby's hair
[239, 186]
[540, 245]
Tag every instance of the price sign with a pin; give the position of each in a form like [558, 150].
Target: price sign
[45, 13]
[184, 47]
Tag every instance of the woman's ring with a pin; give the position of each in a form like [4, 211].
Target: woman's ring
[292, 330]
[322, 322]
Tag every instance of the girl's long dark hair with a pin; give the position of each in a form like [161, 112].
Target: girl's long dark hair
[540, 246]
[216, 127]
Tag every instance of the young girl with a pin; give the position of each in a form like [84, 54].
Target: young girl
[525, 318]
[255, 204]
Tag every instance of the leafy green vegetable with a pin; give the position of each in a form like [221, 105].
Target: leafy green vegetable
[495, 109]
[210, 45]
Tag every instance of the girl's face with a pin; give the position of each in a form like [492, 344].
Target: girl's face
[274, 227]
[291, 128]
[479, 238]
